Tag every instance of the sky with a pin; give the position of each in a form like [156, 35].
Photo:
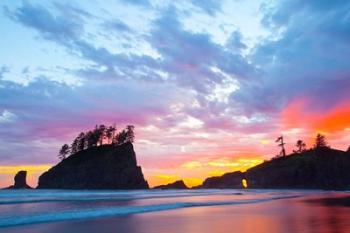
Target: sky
[209, 85]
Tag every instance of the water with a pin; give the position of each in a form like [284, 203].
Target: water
[49, 210]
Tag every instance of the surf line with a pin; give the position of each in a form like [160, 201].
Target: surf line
[117, 211]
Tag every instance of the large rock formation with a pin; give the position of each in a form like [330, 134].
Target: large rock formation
[102, 167]
[229, 180]
[20, 181]
[322, 168]
[176, 185]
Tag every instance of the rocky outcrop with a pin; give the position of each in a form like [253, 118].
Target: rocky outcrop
[176, 185]
[20, 181]
[322, 168]
[102, 167]
[229, 180]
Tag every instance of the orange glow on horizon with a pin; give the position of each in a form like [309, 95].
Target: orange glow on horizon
[194, 172]
[7, 173]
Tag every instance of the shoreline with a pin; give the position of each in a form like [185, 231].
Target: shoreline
[159, 208]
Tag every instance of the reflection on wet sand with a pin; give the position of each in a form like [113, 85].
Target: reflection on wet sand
[305, 214]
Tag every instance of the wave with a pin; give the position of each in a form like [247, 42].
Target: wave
[84, 214]
[27, 198]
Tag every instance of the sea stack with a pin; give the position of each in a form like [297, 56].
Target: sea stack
[99, 167]
[231, 180]
[175, 185]
[20, 181]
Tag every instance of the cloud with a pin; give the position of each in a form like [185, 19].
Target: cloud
[7, 117]
[118, 26]
[3, 70]
[298, 115]
[304, 57]
[235, 42]
[58, 27]
[49, 112]
[189, 57]
[144, 3]
[210, 7]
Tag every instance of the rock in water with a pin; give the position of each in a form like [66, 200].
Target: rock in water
[102, 167]
[20, 181]
[228, 180]
[176, 185]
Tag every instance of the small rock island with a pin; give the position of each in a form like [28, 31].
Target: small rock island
[20, 181]
[175, 185]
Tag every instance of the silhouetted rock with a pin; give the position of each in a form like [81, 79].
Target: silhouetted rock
[176, 185]
[102, 167]
[229, 180]
[321, 168]
[20, 181]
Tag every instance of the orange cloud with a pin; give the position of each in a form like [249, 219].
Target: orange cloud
[298, 114]
[235, 164]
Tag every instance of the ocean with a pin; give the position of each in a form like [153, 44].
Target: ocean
[173, 211]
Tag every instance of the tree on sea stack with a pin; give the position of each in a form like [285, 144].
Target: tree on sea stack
[81, 141]
[130, 134]
[121, 137]
[99, 136]
[64, 151]
[301, 146]
[74, 146]
[110, 131]
[281, 144]
[321, 141]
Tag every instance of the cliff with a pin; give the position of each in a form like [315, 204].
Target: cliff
[20, 181]
[322, 168]
[176, 185]
[102, 167]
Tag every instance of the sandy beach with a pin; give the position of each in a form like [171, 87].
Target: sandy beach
[258, 211]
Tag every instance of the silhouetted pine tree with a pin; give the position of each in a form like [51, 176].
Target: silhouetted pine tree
[122, 137]
[281, 144]
[98, 136]
[64, 151]
[301, 146]
[110, 131]
[101, 132]
[130, 134]
[320, 141]
[81, 142]
[90, 139]
[74, 146]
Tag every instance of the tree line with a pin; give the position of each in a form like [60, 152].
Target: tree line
[100, 135]
[320, 142]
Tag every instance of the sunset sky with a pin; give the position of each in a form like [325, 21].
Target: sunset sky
[209, 85]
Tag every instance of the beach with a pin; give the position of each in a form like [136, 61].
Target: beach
[203, 211]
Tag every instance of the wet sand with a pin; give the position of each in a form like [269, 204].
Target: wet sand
[321, 213]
